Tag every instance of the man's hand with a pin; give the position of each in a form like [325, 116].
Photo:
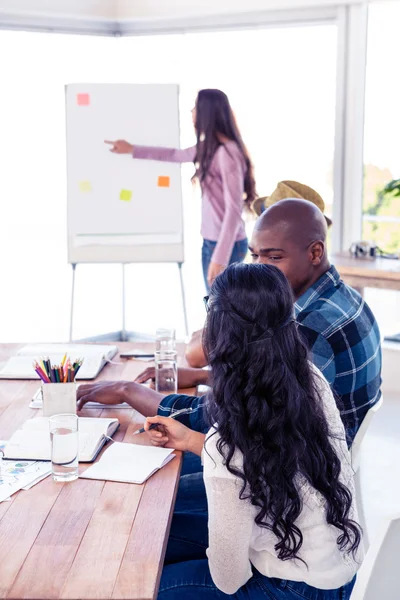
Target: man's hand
[170, 433]
[120, 147]
[104, 392]
[214, 270]
[187, 378]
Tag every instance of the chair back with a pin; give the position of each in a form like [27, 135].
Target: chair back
[355, 449]
[378, 575]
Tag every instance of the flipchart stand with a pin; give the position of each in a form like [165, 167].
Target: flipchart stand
[123, 335]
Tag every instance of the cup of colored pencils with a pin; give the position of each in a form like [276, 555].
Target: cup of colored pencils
[58, 399]
[65, 372]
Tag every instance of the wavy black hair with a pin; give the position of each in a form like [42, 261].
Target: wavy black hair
[214, 116]
[265, 402]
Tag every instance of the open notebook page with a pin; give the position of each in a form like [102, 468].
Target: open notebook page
[32, 441]
[129, 463]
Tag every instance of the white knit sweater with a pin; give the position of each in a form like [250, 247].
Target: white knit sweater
[236, 542]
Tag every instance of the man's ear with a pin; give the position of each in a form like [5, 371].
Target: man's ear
[317, 252]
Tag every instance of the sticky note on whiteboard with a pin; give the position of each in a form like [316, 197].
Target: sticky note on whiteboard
[163, 181]
[85, 186]
[125, 195]
[83, 99]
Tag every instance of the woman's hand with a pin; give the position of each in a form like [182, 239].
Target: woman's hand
[120, 147]
[170, 433]
[214, 270]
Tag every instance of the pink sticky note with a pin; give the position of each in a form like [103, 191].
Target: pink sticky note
[83, 99]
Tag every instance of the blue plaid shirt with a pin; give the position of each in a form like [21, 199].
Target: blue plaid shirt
[344, 341]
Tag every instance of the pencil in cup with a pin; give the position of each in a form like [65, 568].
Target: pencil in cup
[182, 411]
[66, 372]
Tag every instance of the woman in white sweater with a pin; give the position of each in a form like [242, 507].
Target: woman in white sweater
[281, 511]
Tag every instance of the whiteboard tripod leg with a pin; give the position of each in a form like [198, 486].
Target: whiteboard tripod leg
[73, 265]
[183, 299]
[123, 330]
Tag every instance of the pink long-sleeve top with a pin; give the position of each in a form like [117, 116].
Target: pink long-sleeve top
[222, 193]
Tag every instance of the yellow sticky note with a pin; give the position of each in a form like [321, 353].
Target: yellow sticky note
[163, 181]
[85, 186]
[125, 195]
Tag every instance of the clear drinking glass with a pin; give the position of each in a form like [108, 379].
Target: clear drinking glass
[64, 447]
[165, 341]
[167, 373]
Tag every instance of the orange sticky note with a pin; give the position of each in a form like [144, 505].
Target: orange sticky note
[125, 195]
[163, 181]
[83, 99]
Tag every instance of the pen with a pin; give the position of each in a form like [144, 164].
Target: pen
[183, 411]
[129, 355]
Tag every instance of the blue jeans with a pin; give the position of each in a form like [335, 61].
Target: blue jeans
[188, 537]
[238, 255]
[192, 581]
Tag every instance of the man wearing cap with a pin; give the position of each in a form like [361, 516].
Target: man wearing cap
[339, 327]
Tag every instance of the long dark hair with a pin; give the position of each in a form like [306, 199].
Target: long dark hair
[265, 402]
[214, 116]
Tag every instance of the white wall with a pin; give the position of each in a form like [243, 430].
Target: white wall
[105, 9]
[146, 9]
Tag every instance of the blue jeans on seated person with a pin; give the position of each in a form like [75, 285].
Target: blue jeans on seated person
[192, 580]
[188, 538]
[191, 492]
[238, 255]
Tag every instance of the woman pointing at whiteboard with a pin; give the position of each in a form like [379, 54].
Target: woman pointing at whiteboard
[225, 172]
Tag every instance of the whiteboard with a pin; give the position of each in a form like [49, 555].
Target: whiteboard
[121, 209]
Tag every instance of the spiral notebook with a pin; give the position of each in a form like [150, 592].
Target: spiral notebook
[129, 463]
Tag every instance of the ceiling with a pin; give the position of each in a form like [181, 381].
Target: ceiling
[116, 17]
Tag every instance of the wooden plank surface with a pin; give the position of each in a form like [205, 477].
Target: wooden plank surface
[85, 539]
[147, 543]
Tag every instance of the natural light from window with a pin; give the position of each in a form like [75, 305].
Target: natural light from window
[283, 94]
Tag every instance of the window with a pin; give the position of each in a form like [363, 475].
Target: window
[381, 214]
[283, 93]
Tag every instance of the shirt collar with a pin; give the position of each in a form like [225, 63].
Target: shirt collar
[328, 279]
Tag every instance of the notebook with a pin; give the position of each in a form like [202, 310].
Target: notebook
[95, 356]
[32, 441]
[129, 463]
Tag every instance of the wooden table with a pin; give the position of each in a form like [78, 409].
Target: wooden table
[85, 539]
[360, 273]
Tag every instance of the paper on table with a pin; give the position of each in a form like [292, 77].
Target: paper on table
[129, 463]
[20, 474]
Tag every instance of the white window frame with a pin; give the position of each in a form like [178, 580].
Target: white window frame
[352, 23]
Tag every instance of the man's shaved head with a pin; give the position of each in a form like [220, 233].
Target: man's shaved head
[291, 235]
[300, 220]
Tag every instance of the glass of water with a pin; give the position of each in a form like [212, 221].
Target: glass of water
[167, 373]
[165, 341]
[64, 447]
